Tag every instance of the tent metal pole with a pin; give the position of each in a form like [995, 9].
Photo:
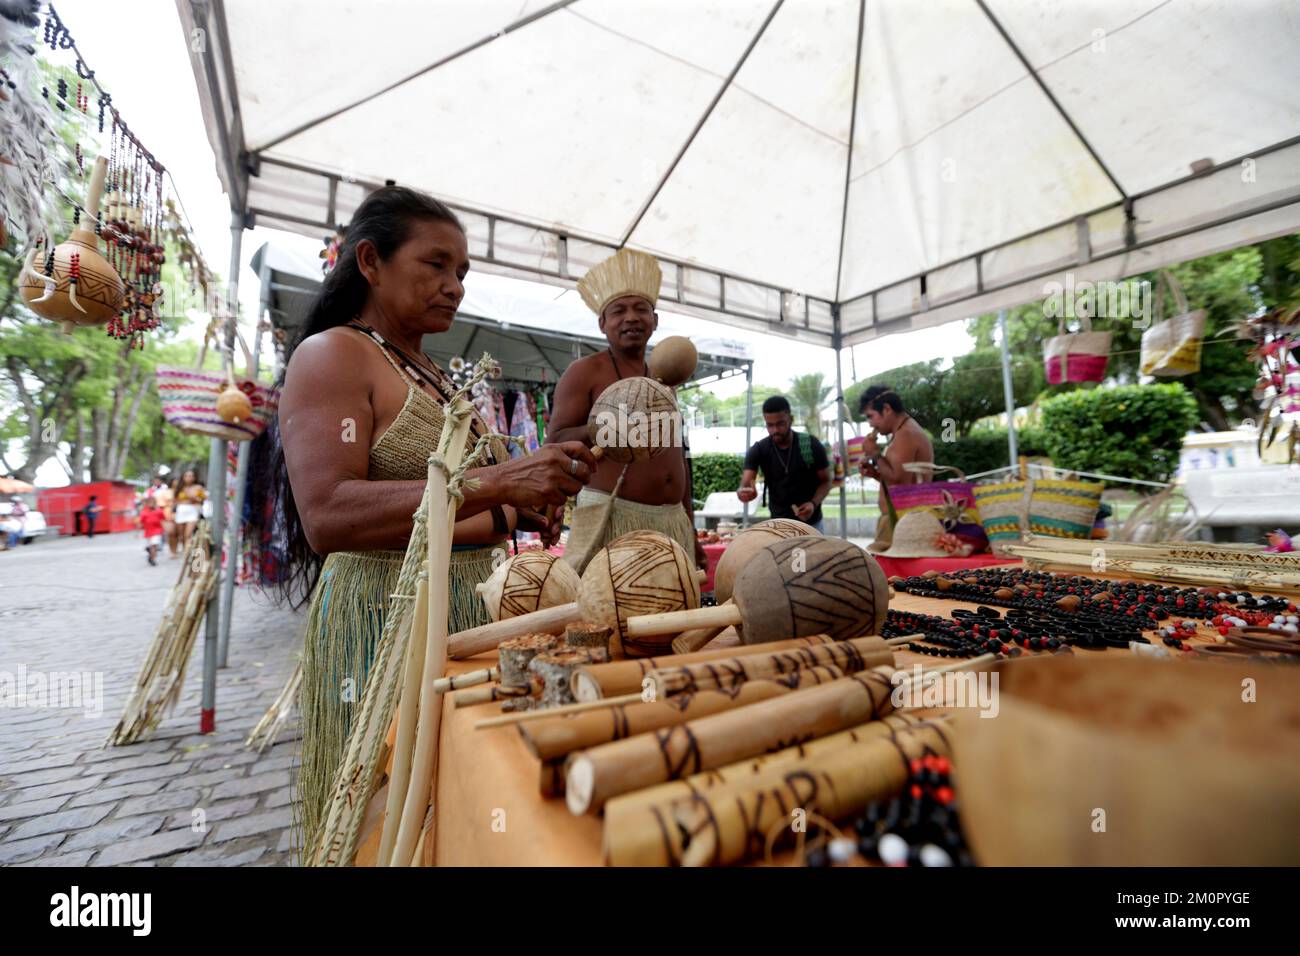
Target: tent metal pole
[1007, 391]
[839, 418]
[749, 419]
[217, 495]
[241, 483]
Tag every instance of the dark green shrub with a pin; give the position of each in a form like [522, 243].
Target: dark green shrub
[713, 471]
[1132, 431]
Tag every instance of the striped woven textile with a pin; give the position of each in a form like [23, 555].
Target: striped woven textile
[1050, 507]
[189, 402]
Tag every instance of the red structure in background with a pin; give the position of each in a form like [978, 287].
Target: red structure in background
[60, 506]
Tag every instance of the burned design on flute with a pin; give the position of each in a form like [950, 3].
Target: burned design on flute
[741, 820]
[554, 737]
[610, 769]
[639, 830]
[851, 656]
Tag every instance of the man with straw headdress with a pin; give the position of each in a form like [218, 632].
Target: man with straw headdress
[656, 493]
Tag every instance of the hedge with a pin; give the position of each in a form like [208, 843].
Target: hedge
[985, 449]
[1132, 431]
[715, 471]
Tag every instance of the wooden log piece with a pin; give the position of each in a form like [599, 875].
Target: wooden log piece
[791, 587]
[588, 635]
[625, 677]
[486, 694]
[555, 669]
[553, 737]
[851, 656]
[599, 773]
[637, 830]
[514, 656]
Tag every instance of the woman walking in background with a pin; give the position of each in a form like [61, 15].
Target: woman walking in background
[189, 495]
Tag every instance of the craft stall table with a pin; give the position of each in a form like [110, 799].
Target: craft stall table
[489, 810]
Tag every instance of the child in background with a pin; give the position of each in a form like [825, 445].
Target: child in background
[151, 525]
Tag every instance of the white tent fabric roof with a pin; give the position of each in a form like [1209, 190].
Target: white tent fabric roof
[909, 163]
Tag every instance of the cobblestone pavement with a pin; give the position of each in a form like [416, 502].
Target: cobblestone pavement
[177, 798]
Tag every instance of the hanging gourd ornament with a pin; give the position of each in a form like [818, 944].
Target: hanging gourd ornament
[233, 405]
[78, 287]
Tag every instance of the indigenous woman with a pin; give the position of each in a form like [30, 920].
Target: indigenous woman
[188, 495]
[360, 412]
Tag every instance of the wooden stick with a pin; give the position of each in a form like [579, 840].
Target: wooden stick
[511, 719]
[648, 625]
[400, 776]
[469, 679]
[605, 771]
[635, 834]
[851, 656]
[1183, 572]
[624, 677]
[442, 518]
[486, 695]
[485, 637]
[553, 738]
[1182, 552]
[694, 640]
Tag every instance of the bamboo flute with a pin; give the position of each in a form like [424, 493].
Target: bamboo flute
[468, 679]
[741, 819]
[442, 520]
[851, 656]
[552, 737]
[638, 830]
[605, 771]
[400, 775]
[624, 677]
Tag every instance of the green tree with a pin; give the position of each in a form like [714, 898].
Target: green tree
[807, 395]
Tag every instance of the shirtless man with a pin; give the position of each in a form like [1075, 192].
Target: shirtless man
[909, 443]
[656, 494]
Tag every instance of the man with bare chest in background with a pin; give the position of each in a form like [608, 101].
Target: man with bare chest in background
[656, 493]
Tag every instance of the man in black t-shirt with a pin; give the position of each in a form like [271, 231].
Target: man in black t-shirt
[796, 471]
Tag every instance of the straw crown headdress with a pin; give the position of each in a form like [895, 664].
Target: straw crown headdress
[625, 273]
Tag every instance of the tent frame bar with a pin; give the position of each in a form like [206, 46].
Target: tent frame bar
[1051, 98]
[786, 325]
[699, 125]
[482, 41]
[848, 159]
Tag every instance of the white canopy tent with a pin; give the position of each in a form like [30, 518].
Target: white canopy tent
[834, 170]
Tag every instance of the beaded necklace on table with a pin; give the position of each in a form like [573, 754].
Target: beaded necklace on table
[1052, 612]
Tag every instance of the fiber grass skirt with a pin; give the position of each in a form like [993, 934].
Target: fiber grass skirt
[345, 623]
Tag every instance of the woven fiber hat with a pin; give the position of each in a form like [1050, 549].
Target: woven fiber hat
[915, 535]
[625, 273]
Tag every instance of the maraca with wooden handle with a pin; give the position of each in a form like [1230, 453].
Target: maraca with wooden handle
[643, 569]
[794, 587]
[738, 554]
